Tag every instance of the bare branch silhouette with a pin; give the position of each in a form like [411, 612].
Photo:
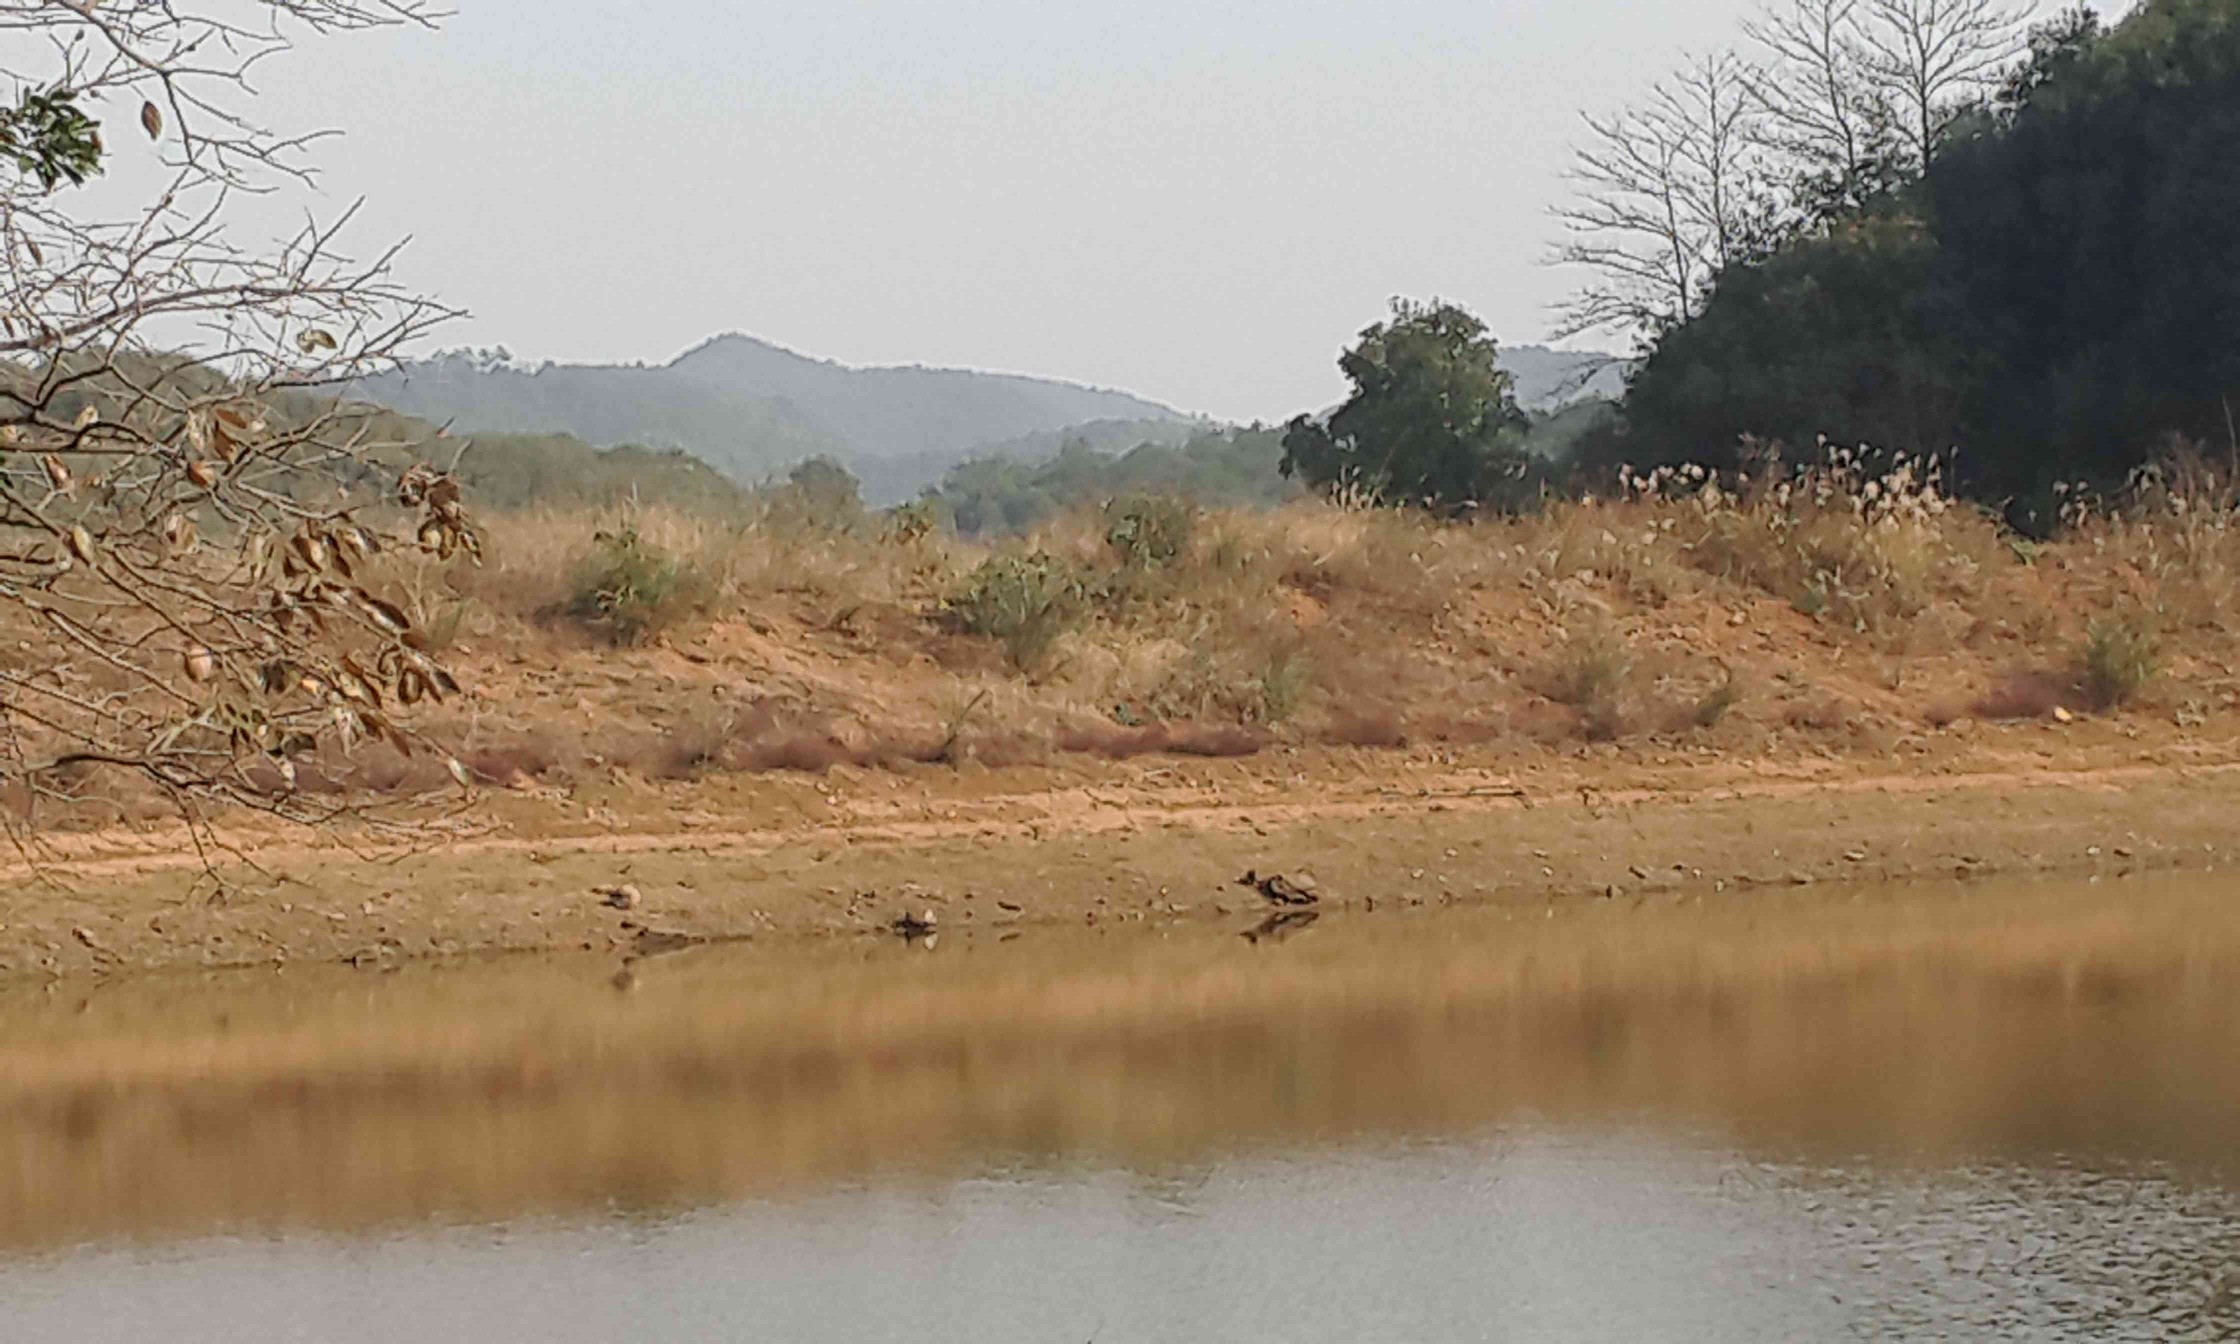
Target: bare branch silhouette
[1938, 59]
[1667, 193]
[192, 516]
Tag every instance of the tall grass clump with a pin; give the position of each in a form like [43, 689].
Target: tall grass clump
[2120, 656]
[1863, 542]
[1024, 600]
[2175, 527]
[1286, 675]
[1589, 674]
[1632, 548]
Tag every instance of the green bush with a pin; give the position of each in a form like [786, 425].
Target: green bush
[2121, 655]
[909, 524]
[819, 495]
[1285, 679]
[631, 589]
[1149, 531]
[1026, 601]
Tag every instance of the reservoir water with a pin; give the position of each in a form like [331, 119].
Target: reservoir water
[1965, 1112]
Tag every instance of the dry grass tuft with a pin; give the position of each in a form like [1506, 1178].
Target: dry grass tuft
[1589, 674]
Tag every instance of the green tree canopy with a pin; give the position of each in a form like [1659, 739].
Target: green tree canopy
[1431, 421]
[2057, 299]
[826, 490]
[1229, 467]
[1845, 334]
[2091, 240]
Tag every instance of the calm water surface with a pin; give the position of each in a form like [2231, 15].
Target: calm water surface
[1960, 1114]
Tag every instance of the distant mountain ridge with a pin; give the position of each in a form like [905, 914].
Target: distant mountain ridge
[751, 408]
[893, 410]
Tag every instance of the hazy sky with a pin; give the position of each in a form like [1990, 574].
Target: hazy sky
[1197, 201]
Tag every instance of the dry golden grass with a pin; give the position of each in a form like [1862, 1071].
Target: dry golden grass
[1589, 674]
[2173, 547]
[1844, 605]
[1357, 624]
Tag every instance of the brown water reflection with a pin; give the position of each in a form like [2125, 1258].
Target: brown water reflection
[1921, 1028]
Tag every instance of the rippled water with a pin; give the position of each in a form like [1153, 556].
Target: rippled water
[1965, 1113]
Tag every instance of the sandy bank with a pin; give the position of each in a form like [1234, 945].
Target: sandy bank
[1148, 842]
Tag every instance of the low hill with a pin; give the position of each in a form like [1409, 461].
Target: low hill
[751, 408]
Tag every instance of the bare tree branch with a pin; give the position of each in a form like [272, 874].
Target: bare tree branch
[192, 522]
[1845, 100]
[1938, 58]
[1829, 122]
[1668, 192]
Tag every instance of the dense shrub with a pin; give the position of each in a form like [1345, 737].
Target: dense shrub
[1149, 531]
[1026, 601]
[630, 589]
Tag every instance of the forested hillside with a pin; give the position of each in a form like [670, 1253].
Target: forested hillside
[751, 409]
[999, 495]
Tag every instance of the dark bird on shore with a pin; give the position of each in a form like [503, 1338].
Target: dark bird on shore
[1277, 889]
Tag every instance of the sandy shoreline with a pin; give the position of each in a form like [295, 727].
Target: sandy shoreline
[782, 858]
